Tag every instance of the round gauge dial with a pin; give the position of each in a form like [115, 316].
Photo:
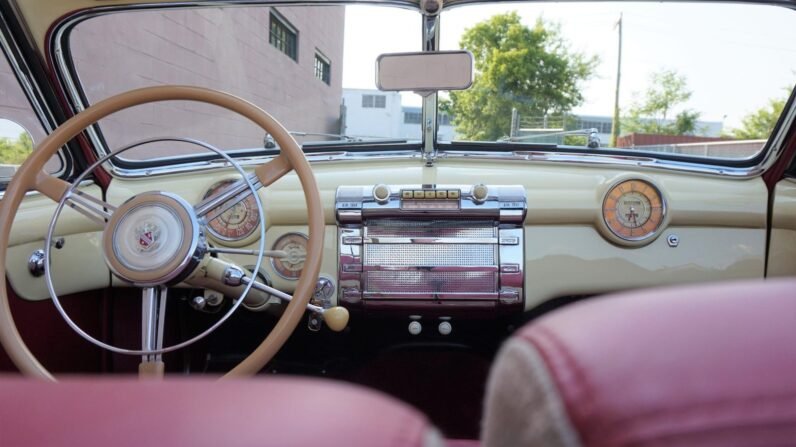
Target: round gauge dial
[633, 210]
[236, 223]
[295, 245]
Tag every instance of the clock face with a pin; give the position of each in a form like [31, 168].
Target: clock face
[633, 210]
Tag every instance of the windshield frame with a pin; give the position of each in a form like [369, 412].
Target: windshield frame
[59, 56]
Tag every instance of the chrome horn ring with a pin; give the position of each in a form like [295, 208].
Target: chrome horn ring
[195, 248]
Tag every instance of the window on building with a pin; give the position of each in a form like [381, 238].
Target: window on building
[413, 117]
[322, 68]
[283, 36]
[374, 101]
[444, 119]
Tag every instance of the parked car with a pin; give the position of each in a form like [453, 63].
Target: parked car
[384, 193]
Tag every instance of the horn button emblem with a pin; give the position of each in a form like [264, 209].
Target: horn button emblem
[153, 239]
[148, 237]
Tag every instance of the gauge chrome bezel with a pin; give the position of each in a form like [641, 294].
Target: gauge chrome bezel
[241, 241]
[275, 260]
[635, 241]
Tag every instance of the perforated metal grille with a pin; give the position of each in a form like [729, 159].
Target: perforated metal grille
[431, 255]
[408, 282]
[433, 228]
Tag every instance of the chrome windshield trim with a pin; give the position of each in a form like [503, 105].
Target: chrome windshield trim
[771, 150]
[607, 160]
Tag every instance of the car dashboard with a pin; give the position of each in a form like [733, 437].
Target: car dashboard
[461, 239]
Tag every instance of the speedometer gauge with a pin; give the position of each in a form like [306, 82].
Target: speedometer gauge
[237, 224]
[295, 245]
[633, 210]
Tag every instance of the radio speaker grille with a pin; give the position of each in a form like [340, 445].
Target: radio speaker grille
[430, 255]
[430, 282]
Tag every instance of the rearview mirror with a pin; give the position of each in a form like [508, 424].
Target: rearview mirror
[424, 72]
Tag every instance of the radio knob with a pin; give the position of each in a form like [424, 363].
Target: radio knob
[381, 193]
[480, 193]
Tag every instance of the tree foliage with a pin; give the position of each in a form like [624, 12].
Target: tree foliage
[758, 125]
[654, 114]
[14, 152]
[530, 69]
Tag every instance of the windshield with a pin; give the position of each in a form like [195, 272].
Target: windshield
[702, 80]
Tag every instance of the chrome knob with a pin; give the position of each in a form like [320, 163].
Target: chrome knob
[480, 193]
[445, 328]
[36, 263]
[381, 193]
[198, 302]
[415, 328]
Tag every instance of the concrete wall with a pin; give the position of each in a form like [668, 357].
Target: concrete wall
[372, 121]
[225, 49]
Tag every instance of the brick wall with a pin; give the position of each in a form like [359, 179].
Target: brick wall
[226, 49]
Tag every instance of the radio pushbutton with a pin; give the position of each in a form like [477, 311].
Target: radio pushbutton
[453, 194]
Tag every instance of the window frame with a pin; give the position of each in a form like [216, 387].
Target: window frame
[24, 75]
[288, 28]
[326, 75]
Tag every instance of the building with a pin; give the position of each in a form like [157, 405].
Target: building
[288, 61]
[373, 113]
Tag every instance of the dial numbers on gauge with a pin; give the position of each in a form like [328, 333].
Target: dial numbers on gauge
[295, 245]
[633, 210]
[236, 223]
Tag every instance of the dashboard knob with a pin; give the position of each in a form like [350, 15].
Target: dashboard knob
[381, 193]
[415, 328]
[445, 328]
[480, 193]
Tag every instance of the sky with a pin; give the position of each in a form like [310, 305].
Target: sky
[734, 57]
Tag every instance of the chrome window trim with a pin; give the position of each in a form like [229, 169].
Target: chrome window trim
[32, 93]
[771, 150]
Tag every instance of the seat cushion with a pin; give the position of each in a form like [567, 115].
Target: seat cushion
[266, 411]
[698, 365]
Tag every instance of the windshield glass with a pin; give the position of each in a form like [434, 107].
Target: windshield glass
[690, 81]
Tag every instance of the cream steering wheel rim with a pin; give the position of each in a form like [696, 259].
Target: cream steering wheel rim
[30, 176]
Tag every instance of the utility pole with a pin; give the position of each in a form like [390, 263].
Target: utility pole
[615, 121]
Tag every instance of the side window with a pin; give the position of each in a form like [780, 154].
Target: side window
[20, 128]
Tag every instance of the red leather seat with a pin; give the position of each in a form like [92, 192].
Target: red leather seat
[193, 412]
[700, 365]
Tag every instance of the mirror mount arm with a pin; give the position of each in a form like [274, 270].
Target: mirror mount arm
[429, 120]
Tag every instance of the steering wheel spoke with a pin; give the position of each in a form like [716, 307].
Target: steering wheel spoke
[95, 209]
[153, 318]
[264, 175]
[62, 191]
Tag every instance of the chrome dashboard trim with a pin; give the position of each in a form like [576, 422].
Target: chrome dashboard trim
[772, 149]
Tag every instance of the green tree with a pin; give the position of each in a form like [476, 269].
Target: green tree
[655, 113]
[530, 69]
[14, 152]
[758, 125]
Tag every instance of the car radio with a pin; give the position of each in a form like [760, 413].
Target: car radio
[431, 247]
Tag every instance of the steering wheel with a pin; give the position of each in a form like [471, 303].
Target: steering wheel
[183, 251]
